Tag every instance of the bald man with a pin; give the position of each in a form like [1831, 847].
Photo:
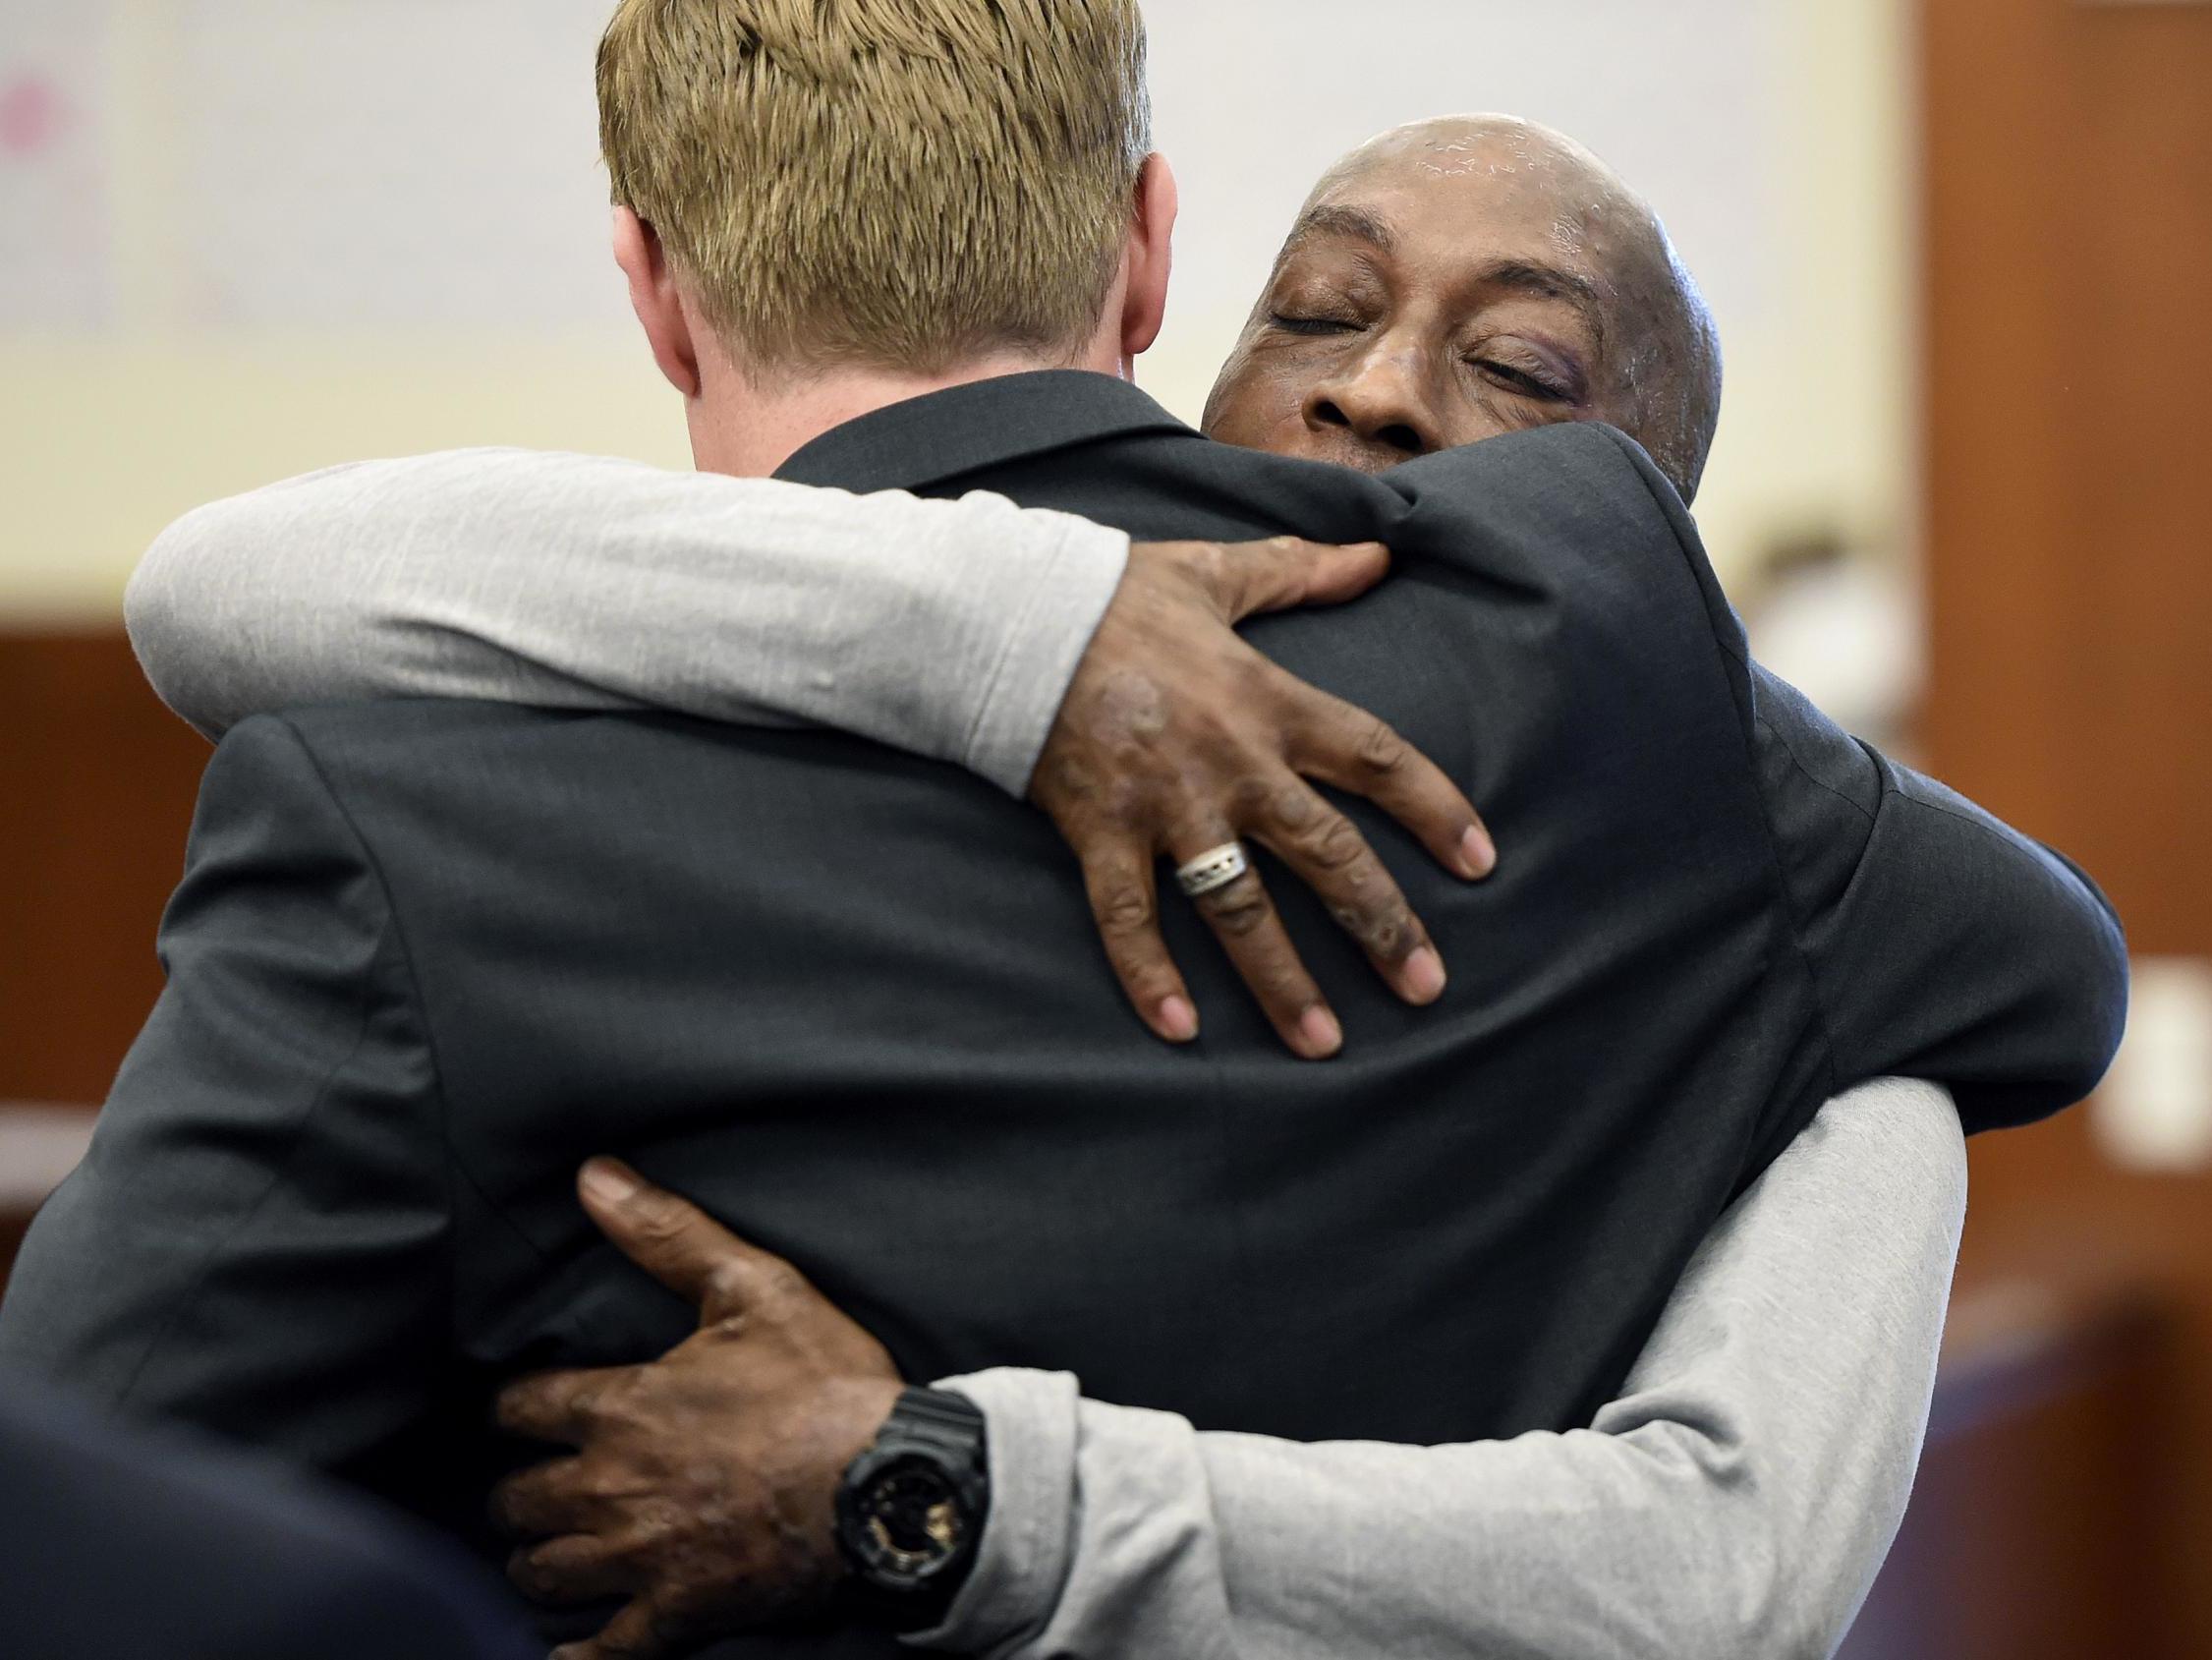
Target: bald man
[1460, 278]
[1448, 283]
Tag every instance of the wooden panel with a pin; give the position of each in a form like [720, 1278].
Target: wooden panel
[2042, 1466]
[97, 788]
[2068, 233]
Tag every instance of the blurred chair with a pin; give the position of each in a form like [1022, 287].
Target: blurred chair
[125, 1545]
[38, 1146]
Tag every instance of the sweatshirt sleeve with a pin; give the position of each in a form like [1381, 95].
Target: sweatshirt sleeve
[949, 629]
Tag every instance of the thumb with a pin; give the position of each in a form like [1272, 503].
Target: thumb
[669, 1237]
[1288, 571]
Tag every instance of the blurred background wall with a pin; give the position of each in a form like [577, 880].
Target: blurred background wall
[300, 231]
[1956, 249]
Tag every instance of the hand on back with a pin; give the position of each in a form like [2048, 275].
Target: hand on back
[1177, 738]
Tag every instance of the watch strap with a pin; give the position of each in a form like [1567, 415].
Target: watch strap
[935, 1418]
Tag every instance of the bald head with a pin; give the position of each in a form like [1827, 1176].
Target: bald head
[1461, 277]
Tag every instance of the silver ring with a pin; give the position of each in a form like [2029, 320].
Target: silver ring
[1209, 870]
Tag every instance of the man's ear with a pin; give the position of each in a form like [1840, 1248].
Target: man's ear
[653, 297]
[1151, 256]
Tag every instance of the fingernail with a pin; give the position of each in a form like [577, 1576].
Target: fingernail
[1478, 854]
[608, 1183]
[1322, 1035]
[1424, 975]
[1178, 1021]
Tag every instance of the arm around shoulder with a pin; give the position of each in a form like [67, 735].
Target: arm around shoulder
[948, 628]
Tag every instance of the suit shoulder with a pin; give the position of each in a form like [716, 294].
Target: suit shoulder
[1586, 459]
[1572, 509]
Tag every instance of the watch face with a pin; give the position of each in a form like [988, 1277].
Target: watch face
[910, 1521]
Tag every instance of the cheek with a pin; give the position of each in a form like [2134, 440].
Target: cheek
[1476, 414]
[1471, 420]
[1261, 404]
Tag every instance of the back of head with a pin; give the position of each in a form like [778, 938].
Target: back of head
[889, 184]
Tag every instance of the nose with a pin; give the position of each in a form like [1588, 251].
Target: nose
[1377, 399]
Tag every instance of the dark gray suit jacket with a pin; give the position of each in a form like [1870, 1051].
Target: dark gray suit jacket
[427, 957]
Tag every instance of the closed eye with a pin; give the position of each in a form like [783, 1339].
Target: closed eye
[1519, 380]
[1312, 325]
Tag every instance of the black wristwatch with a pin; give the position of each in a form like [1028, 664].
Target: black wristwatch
[911, 1509]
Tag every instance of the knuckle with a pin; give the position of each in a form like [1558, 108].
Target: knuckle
[780, 1283]
[1124, 799]
[616, 1399]
[1295, 806]
[585, 1404]
[532, 1573]
[1337, 847]
[727, 1282]
[1204, 563]
[1239, 909]
[1381, 751]
[659, 1222]
[657, 1521]
[1389, 933]
[518, 1406]
[1124, 910]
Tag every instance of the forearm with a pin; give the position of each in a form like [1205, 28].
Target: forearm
[949, 629]
[1737, 1499]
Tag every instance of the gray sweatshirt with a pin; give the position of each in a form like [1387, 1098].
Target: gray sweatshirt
[1735, 1501]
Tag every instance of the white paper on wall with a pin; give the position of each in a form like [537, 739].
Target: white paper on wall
[1256, 97]
[393, 163]
[56, 243]
[431, 162]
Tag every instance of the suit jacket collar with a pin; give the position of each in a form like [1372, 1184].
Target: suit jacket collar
[926, 440]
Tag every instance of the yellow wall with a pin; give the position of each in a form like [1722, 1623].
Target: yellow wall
[1820, 424]
[103, 439]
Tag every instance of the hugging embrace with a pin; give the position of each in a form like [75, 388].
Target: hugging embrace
[1520, 1231]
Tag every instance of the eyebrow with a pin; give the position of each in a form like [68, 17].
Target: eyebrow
[1549, 282]
[1355, 222]
[1529, 276]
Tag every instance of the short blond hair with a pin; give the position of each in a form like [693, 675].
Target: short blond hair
[903, 184]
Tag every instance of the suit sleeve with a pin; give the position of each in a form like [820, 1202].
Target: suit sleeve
[258, 1242]
[1943, 943]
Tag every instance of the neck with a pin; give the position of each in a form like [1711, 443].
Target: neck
[749, 428]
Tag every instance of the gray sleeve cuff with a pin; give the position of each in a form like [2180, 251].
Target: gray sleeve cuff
[1029, 1421]
[1052, 627]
